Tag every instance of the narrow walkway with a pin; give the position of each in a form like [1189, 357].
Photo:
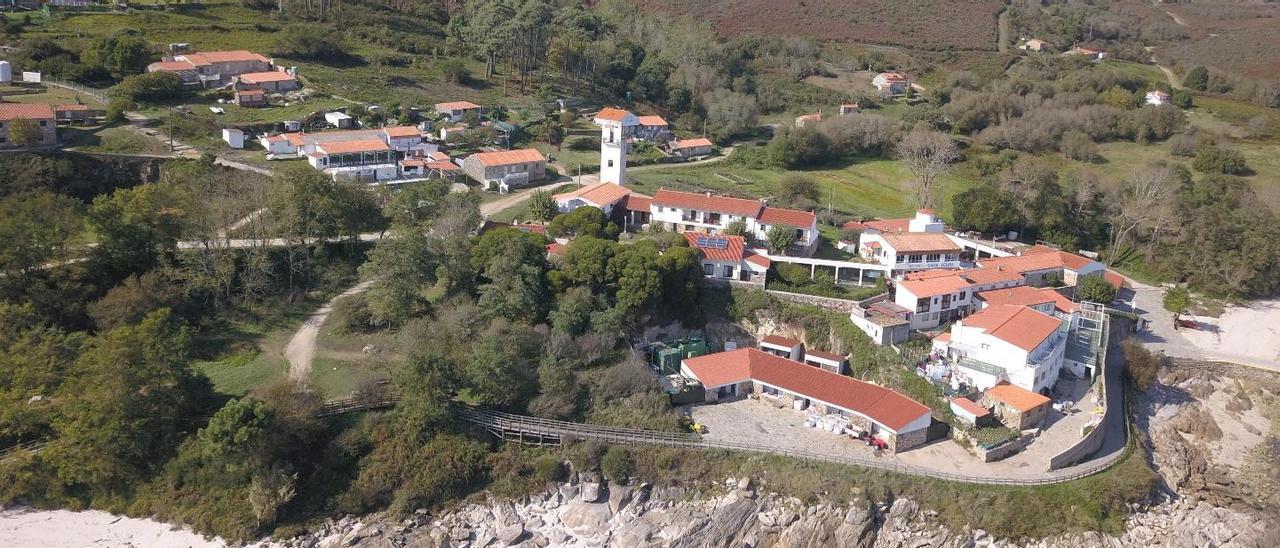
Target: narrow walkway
[301, 349]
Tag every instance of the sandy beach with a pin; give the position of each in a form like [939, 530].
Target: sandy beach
[32, 528]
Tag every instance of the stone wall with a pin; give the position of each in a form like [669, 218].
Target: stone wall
[1004, 450]
[829, 303]
[908, 440]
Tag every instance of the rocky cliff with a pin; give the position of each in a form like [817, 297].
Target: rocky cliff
[1212, 437]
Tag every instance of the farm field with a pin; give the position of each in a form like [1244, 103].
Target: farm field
[1232, 36]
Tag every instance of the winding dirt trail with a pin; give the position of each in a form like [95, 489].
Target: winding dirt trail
[301, 349]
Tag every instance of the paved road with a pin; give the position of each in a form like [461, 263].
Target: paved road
[1159, 335]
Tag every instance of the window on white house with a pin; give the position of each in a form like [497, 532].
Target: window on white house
[610, 163]
[708, 270]
[769, 390]
[727, 272]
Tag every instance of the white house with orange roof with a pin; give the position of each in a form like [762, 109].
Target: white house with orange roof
[909, 251]
[39, 114]
[271, 81]
[1158, 97]
[899, 422]
[891, 83]
[708, 213]
[504, 170]
[925, 221]
[934, 297]
[457, 110]
[616, 127]
[359, 160]
[691, 148]
[1008, 342]
[727, 258]
[652, 128]
[407, 141]
[1041, 265]
[212, 68]
[606, 197]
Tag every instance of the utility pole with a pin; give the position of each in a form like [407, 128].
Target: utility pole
[170, 129]
[579, 174]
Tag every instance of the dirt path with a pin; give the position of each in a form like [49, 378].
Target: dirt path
[1174, 16]
[302, 347]
[1173, 78]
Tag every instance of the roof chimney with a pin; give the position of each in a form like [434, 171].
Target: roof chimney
[708, 193]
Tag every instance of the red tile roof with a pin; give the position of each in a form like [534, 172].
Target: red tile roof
[1024, 295]
[971, 407]
[268, 76]
[443, 165]
[778, 340]
[364, 145]
[886, 407]
[402, 131]
[919, 242]
[600, 194]
[1020, 326]
[893, 77]
[882, 225]
[1016, 397]
[211, 57]
[171, 66]
[637, 202]
[505, 157]
[26, 111]
[930, 287]
[612, 114]
[555, 248]
[652, 121]
[1038, 258]
[732, 252]
[707, 202]
[71, 107]
[691, 143]
[758, 260]
[457, 105]
[790, 217]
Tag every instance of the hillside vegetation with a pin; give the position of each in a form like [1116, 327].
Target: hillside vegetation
[925, 24]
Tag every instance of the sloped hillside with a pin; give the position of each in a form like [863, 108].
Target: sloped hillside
[925, 24]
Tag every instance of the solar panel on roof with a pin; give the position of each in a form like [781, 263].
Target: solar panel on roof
[720, 243]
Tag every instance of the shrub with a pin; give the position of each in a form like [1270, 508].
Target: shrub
[628, 377]
[549, 469]
[454, 70]
[584, 143]
[1176, 299]
[1140, 364]
[796, 188]
[310, 42]
[1197, 78]
[1078, 146]
[1183, 145]
[1095, 289]
[616, 464]
[152, 86]
[1214, 159]
[351, 314]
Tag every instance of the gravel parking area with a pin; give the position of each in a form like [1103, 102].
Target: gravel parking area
[760, 423]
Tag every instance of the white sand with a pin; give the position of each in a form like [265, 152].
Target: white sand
[30, 528]
[1252, 330]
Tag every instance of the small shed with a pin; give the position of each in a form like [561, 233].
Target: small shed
[233, 137]
[338, 119]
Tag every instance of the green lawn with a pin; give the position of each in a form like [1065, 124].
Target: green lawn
[113, 139]
[874, 187]
[237, 374]
[335, 378]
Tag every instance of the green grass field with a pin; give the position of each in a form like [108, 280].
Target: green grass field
[239, 373]
[111, 139]
[335, 378]
[873, 187]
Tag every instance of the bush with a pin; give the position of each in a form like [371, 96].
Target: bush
[454, 70]
[1214, 159]
[310, 42]
[549, 469]
[1197, 78]
[584, 143]
[1095, 289]
[1078, 146]
[629, 377]
[798, 189]
[1183, 145]
[1140, 364]
[152, 86]
[351, 314]
[616, 464]
[117, 108]
[1176, 300]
